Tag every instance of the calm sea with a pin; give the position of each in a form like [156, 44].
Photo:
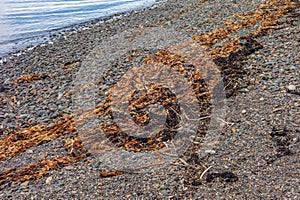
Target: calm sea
[24, 21]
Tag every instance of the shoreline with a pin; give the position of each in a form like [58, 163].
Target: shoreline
[50, 36]
[259, 145]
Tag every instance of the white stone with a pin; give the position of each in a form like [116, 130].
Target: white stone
[210, 151]
[25, 184]
[291, 87]
[30, 151]
[48, 180]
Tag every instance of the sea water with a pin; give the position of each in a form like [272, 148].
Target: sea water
[25, 21]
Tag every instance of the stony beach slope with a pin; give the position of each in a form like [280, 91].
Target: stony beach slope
[254, 44]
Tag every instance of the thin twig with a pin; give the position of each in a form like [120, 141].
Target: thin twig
[205, 172]
[183, 161]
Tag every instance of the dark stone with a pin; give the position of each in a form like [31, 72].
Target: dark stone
[229, 177]
[196, 183]
[2, 88]
[223, 177]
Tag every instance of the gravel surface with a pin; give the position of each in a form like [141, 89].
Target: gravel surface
[257, 155]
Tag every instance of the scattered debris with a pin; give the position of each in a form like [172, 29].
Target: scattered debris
[110, 174]
[30, 78]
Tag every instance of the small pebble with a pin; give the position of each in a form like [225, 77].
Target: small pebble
[244, 90]
[233, 130]
[48, 180]
[2, 89]
[291, 87]
[30, 151]
[244, 111]
[24, 184]
[210, 151]
[69, 167]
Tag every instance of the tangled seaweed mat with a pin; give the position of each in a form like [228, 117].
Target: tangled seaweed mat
[266, 15]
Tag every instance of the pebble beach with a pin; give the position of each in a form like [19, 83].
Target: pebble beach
[255, 44]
